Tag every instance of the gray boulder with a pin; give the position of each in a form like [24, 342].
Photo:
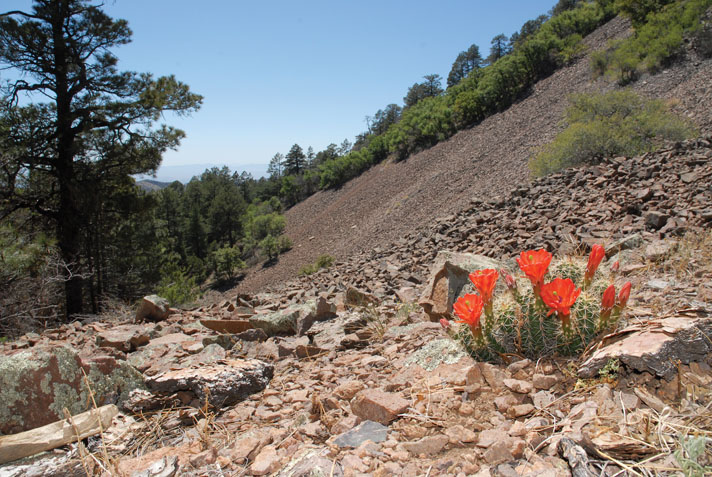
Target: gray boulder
[152, 308]
[448, 280]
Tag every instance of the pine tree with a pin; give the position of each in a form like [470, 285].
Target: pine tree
[95, 125]
[499, 48]
[465, 62]
[295, 161]
[275, 166]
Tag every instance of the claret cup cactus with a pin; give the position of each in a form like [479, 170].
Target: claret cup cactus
[560, 316]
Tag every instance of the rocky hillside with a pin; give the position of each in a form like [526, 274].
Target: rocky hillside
[658, 194]
[318, 381]
[393, 200]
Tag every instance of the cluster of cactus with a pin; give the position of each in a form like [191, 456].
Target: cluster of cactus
[543, 318]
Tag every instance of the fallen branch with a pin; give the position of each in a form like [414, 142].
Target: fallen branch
[51, 436]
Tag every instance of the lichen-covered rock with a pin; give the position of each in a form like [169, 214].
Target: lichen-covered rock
[280, 323]
[36, 385]
[435, 353]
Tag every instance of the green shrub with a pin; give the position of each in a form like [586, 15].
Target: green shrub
[324, 261]
[261, 226]
[422, 125]
[177, 287]
[195, 267]
[272, 246]
[284, 243]
[638, 10]
[660, 31]
[227, 262]
[608, 125]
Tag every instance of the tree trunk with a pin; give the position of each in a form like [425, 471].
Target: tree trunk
[68, 216]
[69, 235]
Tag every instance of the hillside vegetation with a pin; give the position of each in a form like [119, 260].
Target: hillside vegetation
[661, 28]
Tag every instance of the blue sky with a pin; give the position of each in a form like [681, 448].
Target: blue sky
[275, 73]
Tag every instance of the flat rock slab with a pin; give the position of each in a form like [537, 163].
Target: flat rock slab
[125, 338]
[172, 338]
[227, 382]
[625, 243]
[227, 326]
[427, 445]
[366, 431]
[308, 351]
[656, 347]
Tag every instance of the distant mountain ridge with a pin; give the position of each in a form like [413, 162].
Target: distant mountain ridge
[185, 172]
[150, 185]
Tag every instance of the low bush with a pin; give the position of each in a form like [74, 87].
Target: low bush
[324, 261]
[608, 125]
[226, 262]
[272, 247]
[178, 287]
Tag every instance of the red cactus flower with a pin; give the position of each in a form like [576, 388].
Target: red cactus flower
[624, 295]
[594, 260]
[445, 324]
[485, 281]
[469, 308]
[616, 266]
[534, 264]
[609, 298]
[560, 295]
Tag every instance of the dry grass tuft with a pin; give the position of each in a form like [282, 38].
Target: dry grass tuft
[376, 324]
[693, 255]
